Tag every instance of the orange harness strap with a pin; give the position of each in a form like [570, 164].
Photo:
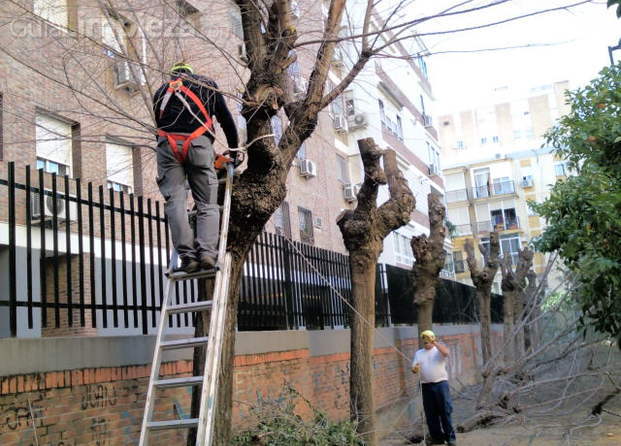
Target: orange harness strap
[173, 138]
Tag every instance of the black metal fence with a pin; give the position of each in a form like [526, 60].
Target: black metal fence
[455, 301]
[84, 260]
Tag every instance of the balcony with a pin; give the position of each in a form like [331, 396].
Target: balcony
[494, 189]
[497, 225]
[461, 230]
[456, 195]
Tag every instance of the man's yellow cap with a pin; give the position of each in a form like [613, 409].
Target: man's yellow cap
[428, 334]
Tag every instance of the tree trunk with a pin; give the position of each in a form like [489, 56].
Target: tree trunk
[364, 230]
[482, 280]
[484, 296]
[430, 256]
[513, 289]
[362, 342]
[533, 311]
[508, 339]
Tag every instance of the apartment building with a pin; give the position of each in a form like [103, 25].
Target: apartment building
[391, 100]
[495, 165]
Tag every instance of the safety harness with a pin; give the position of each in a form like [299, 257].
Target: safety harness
[176, 87]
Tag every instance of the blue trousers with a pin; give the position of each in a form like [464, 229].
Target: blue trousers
[438, 409]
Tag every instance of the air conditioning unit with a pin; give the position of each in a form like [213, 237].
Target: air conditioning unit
[358, 121]
[528, 181]
[433, 169]
[318, 222]
[308, 168]
[340, 123]
[350, 192]
[128, 76]
[48, 209]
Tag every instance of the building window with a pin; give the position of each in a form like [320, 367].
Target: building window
[350, 106]
[52, 167]
[403, 249]
[113, 34]
[495, 139]
[54, 11]
[188, 12]
[434, 159]
[399, 128]
[560, 169]
[459, 262]
[517, 134]
[236, 22]
[120, 167]
[301, 154]
[277, 128]
[382, 112]
[504, 219]
[460, 145]
[510, 246]
[305, 218]
[282, 223]
[503, 185]
[423, 67]
[483, 141]
[53, 144]
[342, 169]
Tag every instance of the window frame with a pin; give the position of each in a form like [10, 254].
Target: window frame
[305, 218]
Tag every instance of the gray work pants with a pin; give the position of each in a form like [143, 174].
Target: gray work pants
[199, 170]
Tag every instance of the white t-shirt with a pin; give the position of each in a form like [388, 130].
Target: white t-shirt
[432, 365]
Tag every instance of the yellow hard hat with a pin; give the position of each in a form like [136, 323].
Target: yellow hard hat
[428, 334]
[183, 67]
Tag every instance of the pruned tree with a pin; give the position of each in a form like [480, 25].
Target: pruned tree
[430, 256]
[482, 279]
[364, 230]
[532, 312]
[513, 288]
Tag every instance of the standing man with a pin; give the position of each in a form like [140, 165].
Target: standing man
[430, 361]
[183, 111]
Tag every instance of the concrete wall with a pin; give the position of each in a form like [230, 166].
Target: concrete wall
[90, 391]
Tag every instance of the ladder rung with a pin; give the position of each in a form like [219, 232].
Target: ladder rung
[183, 343]
[185, 423]
[180, 275]
[201, 305]
[179, 382]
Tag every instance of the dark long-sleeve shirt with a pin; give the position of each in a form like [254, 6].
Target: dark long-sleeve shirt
[177, 119]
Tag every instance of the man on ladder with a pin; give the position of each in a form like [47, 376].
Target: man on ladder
[183, 108]
[183, 111]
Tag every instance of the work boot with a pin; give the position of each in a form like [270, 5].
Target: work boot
[207, 261]
[188, 265]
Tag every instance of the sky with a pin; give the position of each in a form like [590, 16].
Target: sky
[578, 38]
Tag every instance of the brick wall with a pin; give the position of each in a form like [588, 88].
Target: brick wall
[103, 406]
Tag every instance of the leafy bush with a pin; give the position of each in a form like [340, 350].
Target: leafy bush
[279, 425]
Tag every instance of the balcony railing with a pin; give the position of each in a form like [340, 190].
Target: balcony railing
[484, 226]
[456, 195]
[494, 189]
[507, 225]
[461, 230]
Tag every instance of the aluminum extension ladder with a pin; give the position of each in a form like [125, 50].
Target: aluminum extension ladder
[218, 306]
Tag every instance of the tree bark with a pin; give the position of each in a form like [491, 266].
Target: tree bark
[531, 324]
[513, 288]
[364, 230]
[482, 280]
[430, 256]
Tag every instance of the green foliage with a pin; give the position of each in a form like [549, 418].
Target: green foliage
[583, 212]
[452, 229]
[615, 2]
[279, 425]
